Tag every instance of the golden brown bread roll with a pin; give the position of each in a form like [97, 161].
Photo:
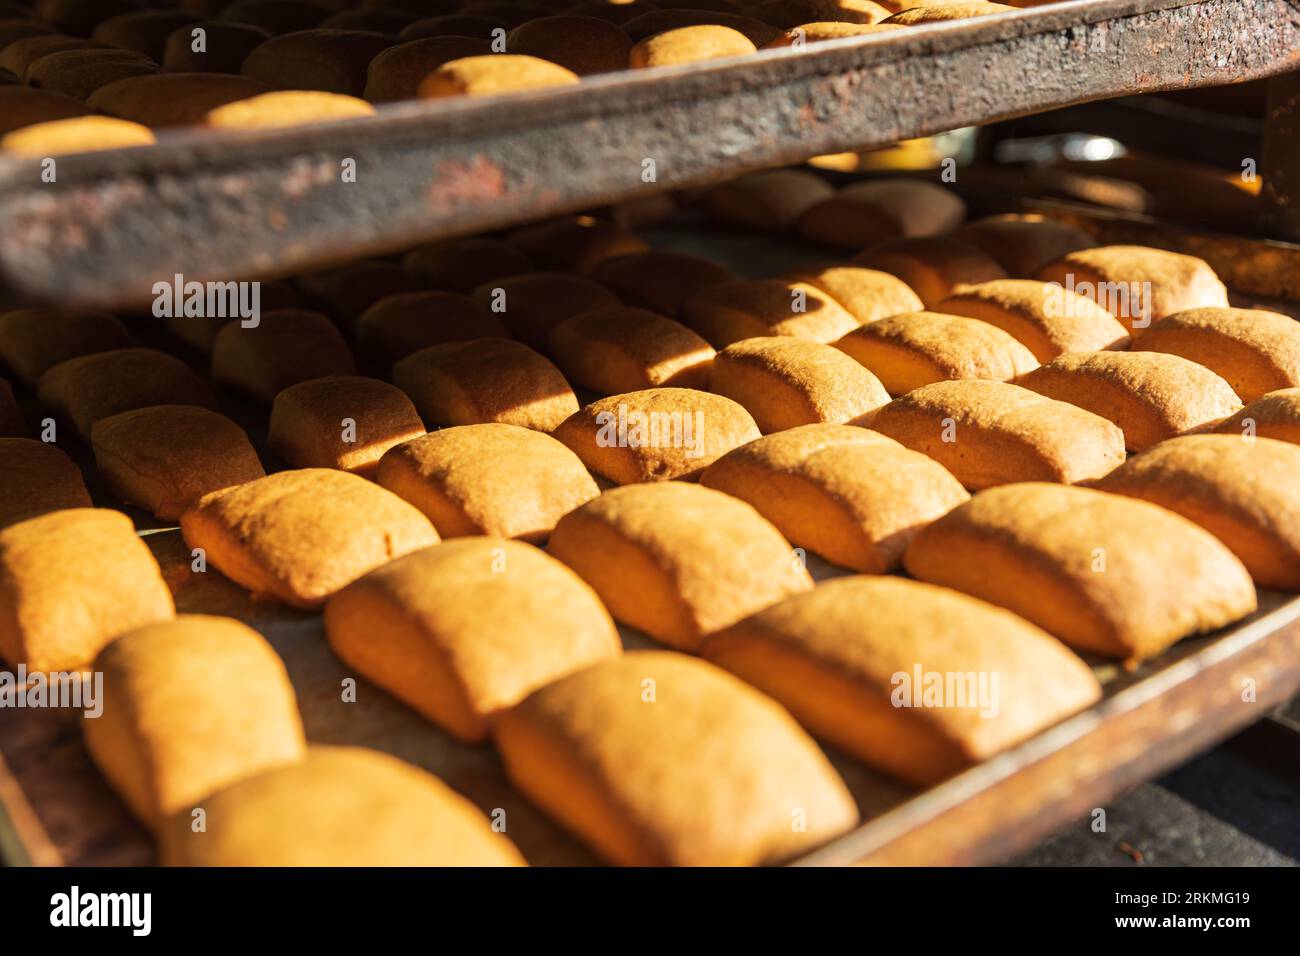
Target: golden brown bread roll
[190, 706]
[865, 294]
[16, 57]
[80, 17]
[1149, 395]
[305, 814]
[37, 478]
[276, 16]
[341, 421]
[851, 495]
[299, 536]
[1046, 319]
[661, 759]
[23, 106]
[1254, 351]
[144, 31]
[1275, 415]
[79, 73]
[345, 292]
[34, 340]
[173, 99]
[287, 108]
[332, 61]
[485, 380]
[770, 201]
[85, 389]
[934, 266]
[223, 48]
[533, 303]
[164, 458]
[748, 308]
[919, 348]
[78, 135]
[622, 349]
[585, 45]
[790, 13]
[1024, 244]
[994, 433]
[1136, 284]
[400, 325]
[493, 75]
[785, 382]
[1245, 492]
[396, 73]
[463, 631]
[818, 31]
[462, 265]
[74, 580]
[659, 280]
[286, 347]
[689, 45]
[575, 243]
[1104, 573]
[866, 213]
[492, 478]
[656, 434]
[852, 661]
[661, 21]
[941, 13]
[12, 424]
[677, 560]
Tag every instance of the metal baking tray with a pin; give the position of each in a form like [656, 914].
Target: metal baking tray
[235, 205]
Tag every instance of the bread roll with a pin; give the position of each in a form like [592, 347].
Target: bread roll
[866, 213]
[299, 536]
[144, 31]
[851, 495]
[791, 13]
[23, 106]
[854, 659]
[373, 19]
[1106, 574]
[462, 265]
[493, 479]
[819, 31]
[1254, 351]
[1244, 492]
[78, 135]
[660, 759]
[287, 108]
[585, 45]
[493, 75]
[37, 478]
[622, 349]
[74, 580]
[1136, 284]
[941, 13]
[276, 16]
[1046, 319]
[612, 11]
[463, 631]
[286, 347]
[512, 12]
[225, 47]
[935, 267]
[12, 424]
[748, 308]
[332, 61]
[85, 389]
[13, 29]
[865, 294]
[345, 292]
[575, 243]
[1024, 244]
[306, 814]
[689, 45]
[659, 280]
[654, 22]
[79, 73]
[994, 433]
[17, 56]
[190, 706]
[396, 73]
[398, 326]
[34, 340]
[656, 434]
[919, 348]
[1275, 415]
[173, 99]
[341, 421]
[1149, 395]
[533, 303]
[457, 25]
[80, 17]
[771, 201]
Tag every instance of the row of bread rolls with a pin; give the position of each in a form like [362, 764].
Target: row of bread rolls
[77, 75]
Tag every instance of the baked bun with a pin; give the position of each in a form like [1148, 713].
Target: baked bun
[161, 100]
[277, 16]
[464, 264]
[866, 294]
[677, 561]
[228, 45]
[851, 495]
[943, 12]
[79, 73]
[299, 536]
[22, 106]
[1275, 415]
[748, 308]
[585, 45]
[705, 41]
[37, 478]
[533, 303]
[463, 631]
[82, 134]
[850, 661]
[345, 292]
[333, 61]
[395, 74]
[1024, 244]
[623, 349]
[287, 108]
[654, 22]
[575, 243]
[656, 434]
[341, 421]
[818, 31]
[74, 580]
[306, 815]
[1149, 395]
[791, 13]
[397, 326]
[144, 31]
[1104, 573]
[190, 706]
[485, 380]
[659, 280]
[770, 201]
[865, 213]
[164, 458]
[492, 478]
[935, 266]
[286, 347]
[493, 75]
[32, 341]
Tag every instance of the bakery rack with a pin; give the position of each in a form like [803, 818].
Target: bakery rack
[257, 204]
